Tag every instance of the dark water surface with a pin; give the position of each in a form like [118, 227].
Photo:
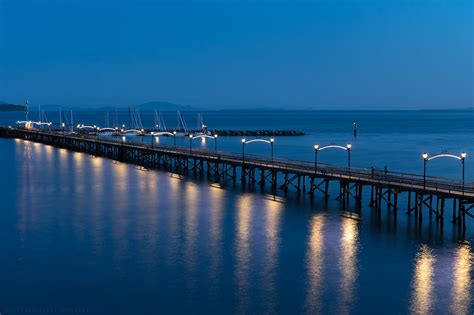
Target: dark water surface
[83, 234]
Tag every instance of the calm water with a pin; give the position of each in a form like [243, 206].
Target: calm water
[84, 234]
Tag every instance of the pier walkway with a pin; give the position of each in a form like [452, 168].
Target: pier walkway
[422, 194]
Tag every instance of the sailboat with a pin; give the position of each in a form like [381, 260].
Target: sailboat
[182, 127]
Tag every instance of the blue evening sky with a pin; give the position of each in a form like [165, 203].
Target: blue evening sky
[228, 54]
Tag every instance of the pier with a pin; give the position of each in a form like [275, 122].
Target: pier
[444, 198]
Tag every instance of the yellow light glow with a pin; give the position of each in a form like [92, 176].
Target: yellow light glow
[422, 283]
[462, 281]
[315, 264]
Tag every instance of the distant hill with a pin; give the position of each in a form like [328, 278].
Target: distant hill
[4, 107]
[163, 106]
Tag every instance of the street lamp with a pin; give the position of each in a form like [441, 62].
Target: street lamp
[62, 126]
[463, 157]
[190, 143]
[215, 142]
[174, 137]
[243, 150]
[349, 146]
[316, 149]
[425, 160]
[152, 139]
[271, 144]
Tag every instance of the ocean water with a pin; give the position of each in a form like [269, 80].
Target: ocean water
[83, 234]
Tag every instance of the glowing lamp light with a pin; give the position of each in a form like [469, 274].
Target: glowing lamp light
[316, 146]
[174, 132]
[243, 140]
[425, 155]
[190, 136]
[272, 140]
[62, 125]
[95, 126]
[215, 136]
[463, 155]
[349, 146]
[152, 133]
[142, 130]
[123, 138]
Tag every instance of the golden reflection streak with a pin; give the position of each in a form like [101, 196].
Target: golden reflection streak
[216, 214]
[423, 281]
[191, 232]
[273, 211]
[175, 198]
[315, 264]
[95, 185]
[242, 268]
[120, 174]
[462, 281]
[150, 233]
[348, 263]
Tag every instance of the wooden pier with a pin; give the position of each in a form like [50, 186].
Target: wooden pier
[443, 198]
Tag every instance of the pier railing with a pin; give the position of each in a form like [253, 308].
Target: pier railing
[364, 175]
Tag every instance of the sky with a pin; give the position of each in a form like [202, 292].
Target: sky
[239, 53]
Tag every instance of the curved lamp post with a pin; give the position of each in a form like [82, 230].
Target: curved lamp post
[244, 142]
[203, 136]
[190, 144]
[161, 133]
[427, 157]
[332, 146]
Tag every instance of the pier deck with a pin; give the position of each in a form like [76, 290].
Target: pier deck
[303, 177]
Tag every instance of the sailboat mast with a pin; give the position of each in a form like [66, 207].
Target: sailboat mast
[26, 110]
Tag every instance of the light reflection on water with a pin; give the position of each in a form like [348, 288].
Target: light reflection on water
[348, 264]
[272, 212]
[462, 280]
[423, 281]
[216, 214]
[315, 265]
[242, 269]
[227, 248]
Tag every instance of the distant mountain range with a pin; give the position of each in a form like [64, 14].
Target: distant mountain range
[5, 107]
[168, 106]
[155, 105]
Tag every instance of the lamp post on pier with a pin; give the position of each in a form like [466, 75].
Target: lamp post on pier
[215, 143]
[243, 151]
[461, 157]
[270, 142]
[347, 148]
[190, 144]
[316, 149]
[174, 137]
